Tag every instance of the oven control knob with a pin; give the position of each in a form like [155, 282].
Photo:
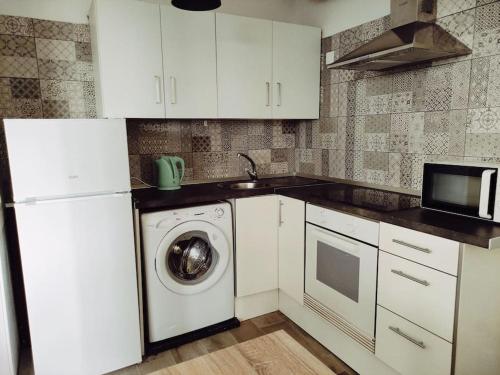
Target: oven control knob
[219, 212]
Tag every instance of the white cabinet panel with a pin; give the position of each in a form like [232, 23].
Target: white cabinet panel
[126, 41]
[256, 245]
[410, 349]
[244, 66]
[291, 247]
[420, 294]
[436, 252]
[189, 58]
[296, 71]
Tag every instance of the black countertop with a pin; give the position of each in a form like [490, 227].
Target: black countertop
[153, 199]
[380, 205]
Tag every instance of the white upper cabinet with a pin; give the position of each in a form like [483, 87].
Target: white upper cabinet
[296, 71]
[126, 41]
[189, 58]
[244, 67]
[156, 61]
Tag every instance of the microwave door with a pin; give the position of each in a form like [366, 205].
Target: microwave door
[484, 198]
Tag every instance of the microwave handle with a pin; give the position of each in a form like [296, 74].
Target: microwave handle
[484, 198]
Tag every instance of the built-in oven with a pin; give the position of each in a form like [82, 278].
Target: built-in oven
[464, 189]
[341, 271]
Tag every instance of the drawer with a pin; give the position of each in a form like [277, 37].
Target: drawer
[410, 349]
[420, 294]
[432, 251]
[348, 225]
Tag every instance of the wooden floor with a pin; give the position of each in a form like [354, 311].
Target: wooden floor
[248, 330]
[276, 353]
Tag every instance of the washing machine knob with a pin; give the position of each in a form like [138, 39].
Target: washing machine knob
[219, 212]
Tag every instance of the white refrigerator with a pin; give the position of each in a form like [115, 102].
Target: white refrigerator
[71, 191]
[9, 352]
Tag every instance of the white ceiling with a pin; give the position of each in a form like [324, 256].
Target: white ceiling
[331, 15]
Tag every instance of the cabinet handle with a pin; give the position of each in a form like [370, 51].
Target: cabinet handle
[414, 247]
[279, 94]
[409, 277]
[407, 337]
[280, 217]
[173, 90]
[268, 94]
[158, 89]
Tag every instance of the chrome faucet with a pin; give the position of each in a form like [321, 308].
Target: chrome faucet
[252, 172]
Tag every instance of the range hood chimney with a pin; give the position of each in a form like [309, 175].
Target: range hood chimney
[413, 38]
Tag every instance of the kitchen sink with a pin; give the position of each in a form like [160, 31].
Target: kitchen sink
[266, 183]
[249, 185]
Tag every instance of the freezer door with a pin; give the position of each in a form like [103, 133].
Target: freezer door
[57, 158]
[79, 272]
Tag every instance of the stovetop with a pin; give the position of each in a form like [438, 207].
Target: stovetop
[362, 197]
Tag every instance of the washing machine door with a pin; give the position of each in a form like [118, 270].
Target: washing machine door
[192, 257]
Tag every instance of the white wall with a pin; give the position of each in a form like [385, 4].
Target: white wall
[338, 15]
[54, 10]
[331, 15]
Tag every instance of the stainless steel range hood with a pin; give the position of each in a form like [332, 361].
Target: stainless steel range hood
[414, 38]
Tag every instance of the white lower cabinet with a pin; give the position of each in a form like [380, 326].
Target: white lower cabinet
[256, 245]
[410, 349]
[291, 247]
[420, 294]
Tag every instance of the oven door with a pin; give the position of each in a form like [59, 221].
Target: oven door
[341, 274]
[460, 189]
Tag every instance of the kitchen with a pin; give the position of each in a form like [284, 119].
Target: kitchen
[187, 184]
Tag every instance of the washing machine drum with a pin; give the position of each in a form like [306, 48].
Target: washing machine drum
[192, 257]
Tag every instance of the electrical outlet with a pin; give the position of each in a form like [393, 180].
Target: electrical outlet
[330, 57]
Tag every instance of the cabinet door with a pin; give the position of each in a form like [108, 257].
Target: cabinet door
[291, 247]
[244, 66]
[189, 63]
[256, 245]
[126, 39]
[296, 71]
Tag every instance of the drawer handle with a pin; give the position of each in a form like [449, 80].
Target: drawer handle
[409, 277]
[414, 247]
[409, 338]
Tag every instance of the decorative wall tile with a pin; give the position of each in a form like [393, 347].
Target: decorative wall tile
[494, 82]
[488, 17]
[51, 49]
[83, 51]
[460, 78]
[484, 120]
[483, 145]
[16, 25]
[447, 7]
[25, 88]
[56, 109]
[478, 93]
[486, 42]
[21, 67]
[13, 45]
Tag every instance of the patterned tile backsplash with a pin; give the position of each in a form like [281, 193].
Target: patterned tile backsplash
[380, 127]
[210, 147]
[376, 127]
[45, 69]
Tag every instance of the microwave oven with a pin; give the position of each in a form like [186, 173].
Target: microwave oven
[468, 189]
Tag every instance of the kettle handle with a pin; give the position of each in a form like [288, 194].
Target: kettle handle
[177, 160]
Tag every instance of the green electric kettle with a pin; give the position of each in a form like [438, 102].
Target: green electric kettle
[170, 172]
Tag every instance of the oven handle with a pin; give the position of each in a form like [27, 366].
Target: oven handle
[484, 198]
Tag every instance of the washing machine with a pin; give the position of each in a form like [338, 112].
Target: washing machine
[189, 269]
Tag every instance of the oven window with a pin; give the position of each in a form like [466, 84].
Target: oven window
[338, 270]
[456, 189]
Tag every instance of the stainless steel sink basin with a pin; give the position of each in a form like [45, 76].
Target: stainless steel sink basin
[249, 185]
